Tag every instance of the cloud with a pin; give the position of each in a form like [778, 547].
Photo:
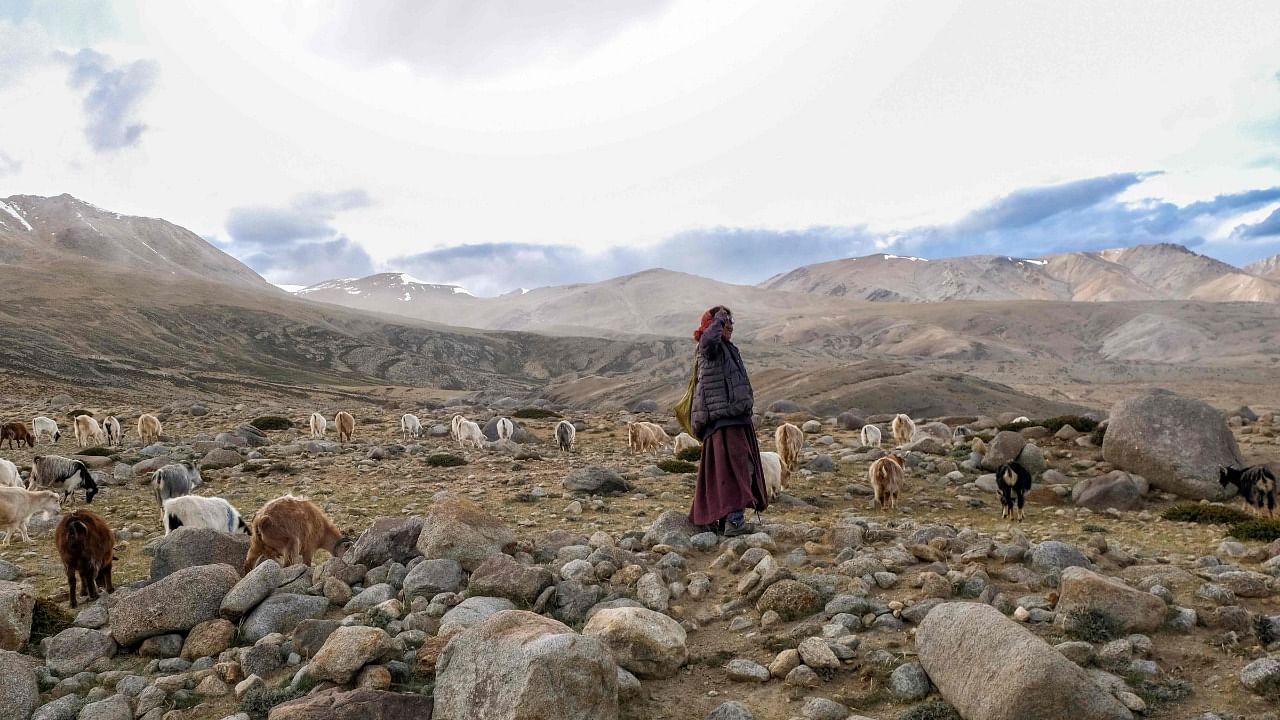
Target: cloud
[9, 165]
[474, 37]
[1269, 227]
[112, 95]
[298, 243]
[1033, 205]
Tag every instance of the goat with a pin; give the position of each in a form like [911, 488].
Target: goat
[289, 530]
[505, 428]
[175, 480]
[9, 476]
[454, 426]
[149, 427]
[776, 474]
[115, 433]
[684, 441]
[44, 426]
[346, 425]
[49, 470]
[16, 431]
[198, 511]
[1013, 481]
[88, 432]
[18, 505]
[566, 433]
[319, 426]
[1257, 485]
[871, 436]
[1020, 419]
[903, 429]
[86, 545]
[789, 440]
[410, 426]
[469, 433]
[887, 478]
[960, 434]
[646, 436]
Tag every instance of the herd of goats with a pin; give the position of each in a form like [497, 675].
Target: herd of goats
[290, 529]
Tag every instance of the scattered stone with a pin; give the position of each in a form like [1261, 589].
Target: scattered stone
[432, 577]
[208, 639]
[456, 528]
[595, 480]
[1133, 610]
[791, 599]
[280, 614]
[193, 547]
[387, 539]
[1262, 676]
[346, 650]
[358, 704]
[176, 603]
[502, 576]
[17, 602]
[647, 643]
[910, 682]
[1003, 448]
[743, 670]
[251, 590]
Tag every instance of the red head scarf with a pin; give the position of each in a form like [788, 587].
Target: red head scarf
[707, 317]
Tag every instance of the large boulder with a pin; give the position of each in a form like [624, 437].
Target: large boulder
[73, 650]
[346, 650]
[251, 590]
[1113, 490]
[517, 665]
[191, 547]
[220, 458]
[1003, 448]
[388, 538]
[1133, 610]
[432, 577]
[991, 668]
[19, 691]
[17, 603]
[177, 603]
[595, 479]
[358, 704]
[502, 576]
[456, 528]
[1176, 443]
[647, 643]
[281, 613]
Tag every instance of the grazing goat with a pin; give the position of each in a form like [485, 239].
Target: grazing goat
[960, 434]
[410, 426]
[1257, 485]
[115, 433]
[505, 428]
[49, 470]
[175, 480]
[16, 431]
[86, 545]
[18, 505]
[346, 425]
[871, 436]
[566, 433]
[319, 426]
[887, 477]
[469, 433]
[1013, 481]
[290, 530]
[788, 440]
[198, 511]
[44, 426]
[88, 432]
[683, 442]
[646, 436]
[776, 474]
[903, 429]
[9, 476]
[149, 427]
[454, 426]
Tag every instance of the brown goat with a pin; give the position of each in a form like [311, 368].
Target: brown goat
[290, 530]
[346, 425]
[886, 475]
[85, 543]
[16, 431]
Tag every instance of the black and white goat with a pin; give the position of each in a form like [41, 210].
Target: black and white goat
[1013, 481]
[47, 471]
[1257, 485]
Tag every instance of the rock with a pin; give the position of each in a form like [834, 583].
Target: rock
[1134, 610]
[161, 646]
[220, 458]
[387, 539]
[432, 577]
[967, 650]
[730, 711]
[817, 654]
[1246, 584]
[1031, 457]
[647, 643]
[19, 690]
[9, 571]
[310, 635]
[790, 599]
[369, 597]
[473, 611]
[456, 528]
[811, 426]
[595, 480]
[66, 707]
[115, 707]
[208, 639]
[17, 602]
[1176, 443]
[251, 590]
[192, 547]
[928, 445]
[518, 665]
[346, 650]
[743, 670]
[1053, 556]
[73, 650]
[359, 704]
[502, 576]
[672, 527]
[1115, 490]
[142, 470]
[910, 682]
[821, 463]
[850, 421]
[1262, 676]
[1003, 448]
[176, 603]
[280, 614]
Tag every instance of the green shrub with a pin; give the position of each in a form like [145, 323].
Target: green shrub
[690, 454]
[931, 711]
[534, 414]
[1206, 514]
[1259, 529]
[1016, 426]
[445, 460]
[1091, 625]
[272, 422]
[48, 618]
[677, 466]
[1266, 631]
[96, 452]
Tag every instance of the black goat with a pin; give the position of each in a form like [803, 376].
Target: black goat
[1013, 481]
[1257, 485]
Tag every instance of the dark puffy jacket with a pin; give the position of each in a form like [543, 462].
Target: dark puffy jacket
[723, 390]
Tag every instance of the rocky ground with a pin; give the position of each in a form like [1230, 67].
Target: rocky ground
[561, 583]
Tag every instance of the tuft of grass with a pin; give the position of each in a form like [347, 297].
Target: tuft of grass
[1205, 514]
[1091, 625]
[1016, 426]
[534, 414]
[1265, 630]
[1256, 529]
[48, 618]
[257, 703]
[677, 466]
[690, 454]
[271, 422]
[931, 711]
[444, 460]
[96, 452]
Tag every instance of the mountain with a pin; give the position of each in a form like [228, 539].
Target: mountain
[1143, 272]
[384, 292]
[1268, 268]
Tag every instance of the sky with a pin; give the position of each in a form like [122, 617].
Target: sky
[499, 144]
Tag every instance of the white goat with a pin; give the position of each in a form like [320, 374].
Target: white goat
[776, 474]
[18, 505]
[319, 426]
[903, 428]
[871, 435]
[115, 433]
[410, 426]
[505, 428]
[9, 476]
[470, 433]
[202, 512]
[566, 434]
[454, 426]
[88, 432]
[149, 427]
[44, 426]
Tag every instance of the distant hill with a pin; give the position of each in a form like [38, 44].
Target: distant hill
[1267, 268]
